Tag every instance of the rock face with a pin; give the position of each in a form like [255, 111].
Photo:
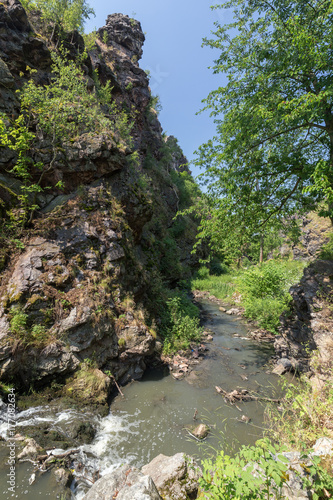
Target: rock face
[310, 325]
[315, 232]
[82, 285]
[124, 484]
[176, 477]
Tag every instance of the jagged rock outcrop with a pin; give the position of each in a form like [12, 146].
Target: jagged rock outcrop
[310, 325]
[82, 283]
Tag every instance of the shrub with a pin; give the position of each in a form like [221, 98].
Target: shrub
[326, 252]
[233, 478]
[180, 323]
[266, 311]
[259, 473]
[267, 280]
[305, 414]
[265, 291]
[218, 268]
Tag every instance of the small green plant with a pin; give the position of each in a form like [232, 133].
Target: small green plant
[259, 473]
[18, 322]
[5, 388]
[233, 478]
[105, 37]
[121, 342]
[305, 414]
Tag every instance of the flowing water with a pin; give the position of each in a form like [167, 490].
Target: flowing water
[154, 415]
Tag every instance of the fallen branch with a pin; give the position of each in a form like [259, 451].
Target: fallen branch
[242, 395]
[120, 391]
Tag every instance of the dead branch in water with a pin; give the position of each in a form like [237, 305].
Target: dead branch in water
[242, 395]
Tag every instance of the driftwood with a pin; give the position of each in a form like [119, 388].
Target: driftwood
[242, 395]
[120, 391]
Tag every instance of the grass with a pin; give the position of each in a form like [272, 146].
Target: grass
[263, 290]
[222, 286]
[306, 412]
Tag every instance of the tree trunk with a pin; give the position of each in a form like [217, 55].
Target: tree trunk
[261, 255]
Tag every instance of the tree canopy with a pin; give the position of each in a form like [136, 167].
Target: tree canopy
[273, 151]
[69, 14]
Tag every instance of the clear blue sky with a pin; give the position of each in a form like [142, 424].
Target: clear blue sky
[178, 64]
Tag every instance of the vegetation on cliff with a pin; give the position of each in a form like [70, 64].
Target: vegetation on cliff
[90, 186]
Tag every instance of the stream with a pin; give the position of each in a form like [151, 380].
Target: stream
[153, 416]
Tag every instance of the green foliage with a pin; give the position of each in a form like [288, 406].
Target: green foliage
[305, 414]
[90, 40]
[263, 290]
[272, 153]
[16, 137]
[18, 322]
[233, 478]
[266, 311]
[326, 253]
[259, 472]
[4, 388]
[221, 287]
[188, 189]
[60, 112]
[36, 335]
[169, 262]
[155, 103]
[217, 268]
[268, 280]
[64, 108]
[180, 323]
[121, 342]
[68, 14]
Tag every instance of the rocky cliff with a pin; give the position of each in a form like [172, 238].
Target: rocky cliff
[309, 326]
[81, 281]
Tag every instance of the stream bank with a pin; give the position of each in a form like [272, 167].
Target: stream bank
[156, 412]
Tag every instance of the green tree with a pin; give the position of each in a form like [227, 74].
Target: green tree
[68, 14]
[272, 155]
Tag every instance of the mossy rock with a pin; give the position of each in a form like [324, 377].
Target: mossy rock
[89, 386]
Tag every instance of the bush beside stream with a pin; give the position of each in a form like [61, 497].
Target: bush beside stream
[262, 290]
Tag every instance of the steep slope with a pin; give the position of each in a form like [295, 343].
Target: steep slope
[82, 278]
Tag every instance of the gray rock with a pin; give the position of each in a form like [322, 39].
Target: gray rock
[176, 477]
[125, 483]
[201, 431]
[311, 320]
[323, 446]
[233, 311]
[115, 252]
[6, 78]
[30, 450]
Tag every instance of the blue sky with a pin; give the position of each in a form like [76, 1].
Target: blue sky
[178, 64]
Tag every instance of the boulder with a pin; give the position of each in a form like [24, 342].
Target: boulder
[30, 450]
[201, 431]
[125, 483]
[176, 477]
